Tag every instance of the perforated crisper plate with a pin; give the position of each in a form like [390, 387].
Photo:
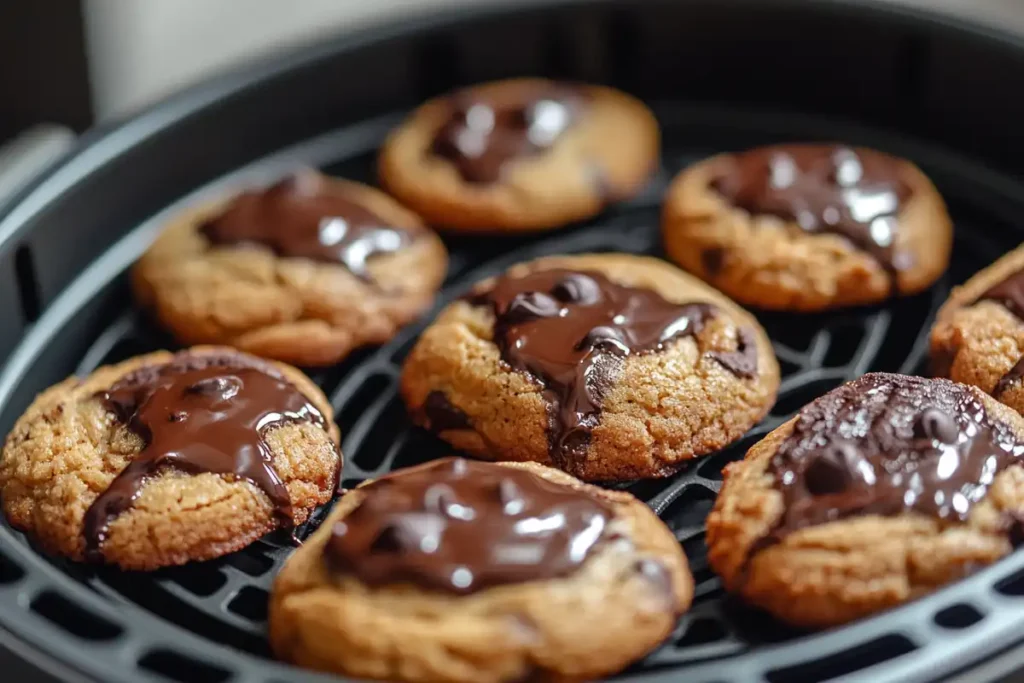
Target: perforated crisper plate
[205, 623]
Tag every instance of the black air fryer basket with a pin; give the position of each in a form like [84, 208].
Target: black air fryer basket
[720, 75]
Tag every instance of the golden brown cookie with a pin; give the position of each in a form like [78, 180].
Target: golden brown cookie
[518, 155]
[170, 458]
[477, 572]
[304, 271]
[610, 367]
[808, 227]
[978, 336]
[882, 490]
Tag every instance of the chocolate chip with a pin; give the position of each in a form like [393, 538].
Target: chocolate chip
[1013, 524]
[527, 306]
[743, 361]
[607, 338]
[389, 540]
[1012, 376]
[936, 425]
[577, 289]
[217, 388]
[831, 470]
[442, 415]
[712, 260]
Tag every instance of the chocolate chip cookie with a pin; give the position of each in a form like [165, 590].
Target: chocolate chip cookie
[169, 458]
[807, 227]
[478, 572]
[303, 271]
[610, 367]
[876, 493]
[524, 154]
[978, 336]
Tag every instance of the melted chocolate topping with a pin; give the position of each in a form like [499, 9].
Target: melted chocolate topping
[306, 216]
[883, 444]
[199, 413]
[442, 415]
[483, 134]
[824, 188]
[570, 331]
[459, 526]
[1009, 292]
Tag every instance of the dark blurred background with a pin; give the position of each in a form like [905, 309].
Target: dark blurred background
[73, 62]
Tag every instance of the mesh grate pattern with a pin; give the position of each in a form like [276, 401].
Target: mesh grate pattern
[227, 598]
[225, 601]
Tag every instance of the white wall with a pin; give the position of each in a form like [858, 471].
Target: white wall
[142, 49]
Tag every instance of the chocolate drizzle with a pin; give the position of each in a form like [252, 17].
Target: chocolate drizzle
[484, 133]
[571, 330]
[884, 444]
[199, 413]
[824, 188]
[307, 216]
[458, 526]
[1009, 293]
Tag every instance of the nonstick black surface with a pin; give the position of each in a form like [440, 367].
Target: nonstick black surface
[224, 602]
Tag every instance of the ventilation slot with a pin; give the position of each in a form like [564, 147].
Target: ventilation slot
[958, 616]
[181, 668]
[357, 403]
[786, 331]
[74, 619]
[1012, 585]
[250, 562]
[844, 341]
[404, 348]
[843, 663]
[906, 319]
[688, 512]
[377, 442]
[701, 632]
[200, 579]
[9, 572]
[250, 603]
[27, 284]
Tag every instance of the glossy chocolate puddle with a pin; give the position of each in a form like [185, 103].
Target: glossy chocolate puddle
[885, 444]
[199, 413]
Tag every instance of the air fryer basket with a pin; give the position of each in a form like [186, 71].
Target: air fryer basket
[720, 75]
